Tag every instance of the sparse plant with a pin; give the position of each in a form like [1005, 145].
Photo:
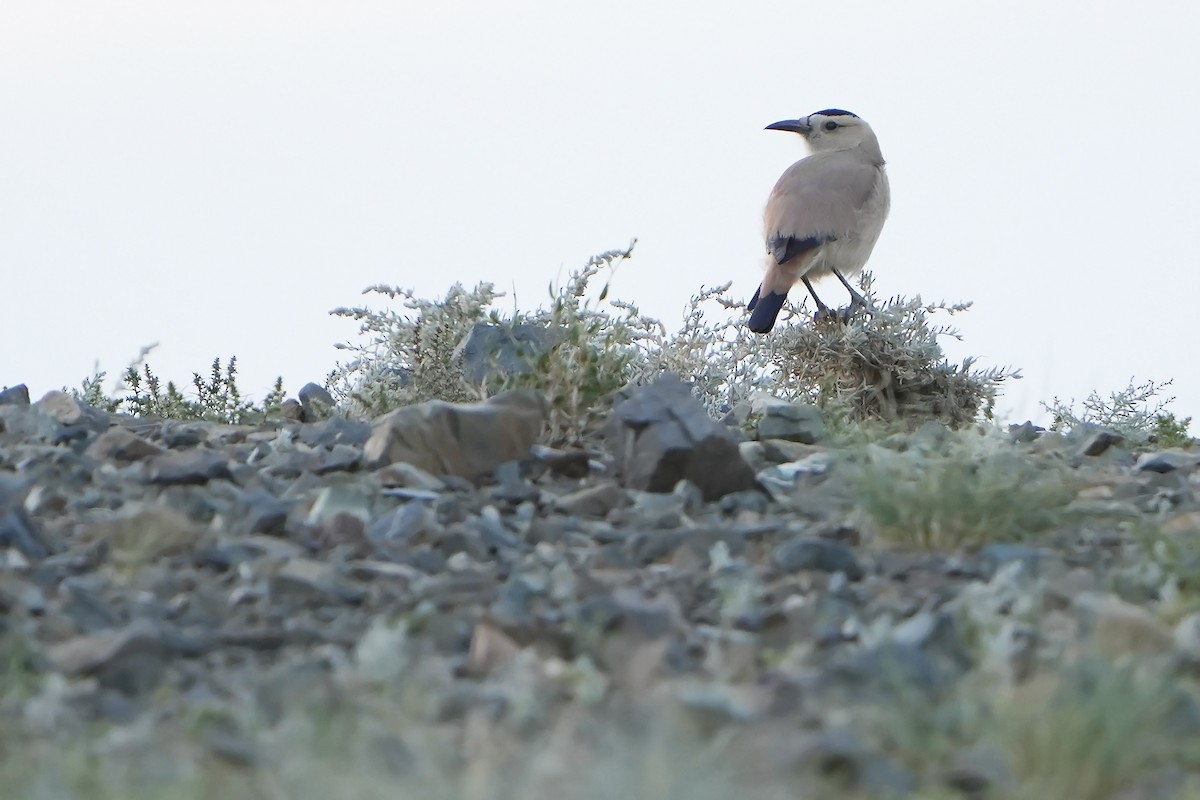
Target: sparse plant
[1138, 412]
[141, 393]
[965, 488]
[886, 365]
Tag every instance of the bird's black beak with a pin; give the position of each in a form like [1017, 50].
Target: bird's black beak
[799, 126]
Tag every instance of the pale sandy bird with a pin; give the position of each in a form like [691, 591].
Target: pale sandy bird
[824, 214]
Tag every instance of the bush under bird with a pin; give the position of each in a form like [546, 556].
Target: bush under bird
[824, 214]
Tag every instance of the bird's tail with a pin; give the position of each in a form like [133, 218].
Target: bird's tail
[765, 308]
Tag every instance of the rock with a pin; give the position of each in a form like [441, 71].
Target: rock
[793, 422]
[15, 395]
[61, 406]
[813, 553]
[467, 440]
[401, 474]
[318, 404]
[936, 634]
[17, 529]
[842, 755]
[291, 410]
[491, 350]
[592, 501]
[1121, 628]
[1097, 442]
[264, 513]
[1163, 461]
[1186, 637]
[661, 435]
[306, 582]
[1025, 432]
[122, 445]
[195, 465]
[997, 554]
[131, 660]
[979, 770]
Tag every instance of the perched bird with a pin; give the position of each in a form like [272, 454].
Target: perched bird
[824, 214]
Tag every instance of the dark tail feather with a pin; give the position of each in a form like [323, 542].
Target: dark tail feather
[766, 308]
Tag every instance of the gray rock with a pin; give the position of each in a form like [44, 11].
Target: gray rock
[1025, 432]
[997, 554]
[17, 528]
[661, 435]
[793, 422]
[195, 465]
[1168, 461]
[979, 770]
[937, 634]
[402, 523]
[306, 582]
[318, 404]
[492, 350]
[841, 754]
[1097, 442]
[467, 440]
[131, 660]
[814, 553]
[15, 395]
[1187, 638]
[264, 513]
[593, 501]
[122, 445]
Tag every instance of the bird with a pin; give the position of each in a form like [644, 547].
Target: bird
[824, 214]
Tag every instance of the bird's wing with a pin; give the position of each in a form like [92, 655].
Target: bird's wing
[817, 199]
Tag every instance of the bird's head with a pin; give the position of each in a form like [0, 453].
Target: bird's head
[831, 129]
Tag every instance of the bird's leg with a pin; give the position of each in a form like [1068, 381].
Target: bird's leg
[856, 298]
[823, 311]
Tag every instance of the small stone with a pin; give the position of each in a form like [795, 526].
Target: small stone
[61, 406]
[401, 524]
[794, 422]
[351, 499]
[979, 770]
[306, 582]
[291, 410]
[490, 648]
[1120, 628]
[1187, 638]
[339, 458]
[997, 554]
[264, 512]
[15, 395]
[1097, 442]
[466, 439]
[131, 660]
[594, 501]
[661, 434]
[495, 350]
[318, 404]
[814, 553]
[406, 475]
[122, 445]
[1025, 432]
[195, 465]
[1167, 461]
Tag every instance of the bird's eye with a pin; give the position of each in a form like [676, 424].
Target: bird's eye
[831, 126]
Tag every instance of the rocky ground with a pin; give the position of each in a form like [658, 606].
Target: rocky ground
[433, 603]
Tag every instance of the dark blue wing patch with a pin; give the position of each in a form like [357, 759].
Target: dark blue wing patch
[784, 248]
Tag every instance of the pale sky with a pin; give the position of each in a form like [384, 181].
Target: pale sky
[218, 176]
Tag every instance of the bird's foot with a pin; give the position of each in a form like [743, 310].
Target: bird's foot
[841, 316]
